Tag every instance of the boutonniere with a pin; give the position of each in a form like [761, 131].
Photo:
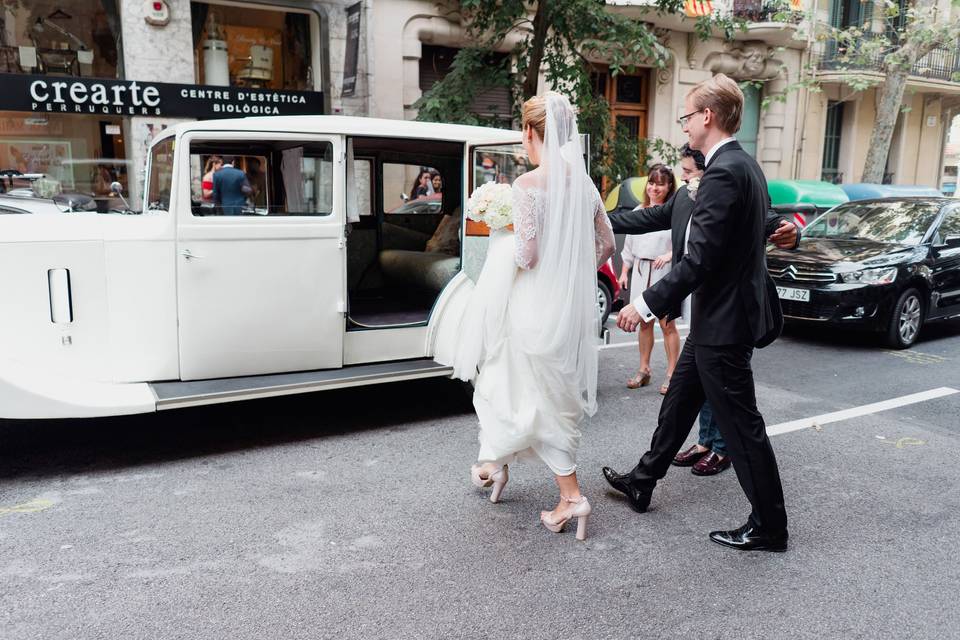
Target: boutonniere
[692, 187]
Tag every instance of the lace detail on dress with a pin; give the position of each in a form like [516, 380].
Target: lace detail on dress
[527, 216]
[604, 242]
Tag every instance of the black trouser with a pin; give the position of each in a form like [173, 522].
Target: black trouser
[721, 375]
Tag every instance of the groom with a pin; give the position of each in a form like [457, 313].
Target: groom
[734, 310]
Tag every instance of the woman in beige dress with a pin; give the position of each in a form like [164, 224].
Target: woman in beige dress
[649, 256]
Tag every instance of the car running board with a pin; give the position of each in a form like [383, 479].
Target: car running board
[176, 395]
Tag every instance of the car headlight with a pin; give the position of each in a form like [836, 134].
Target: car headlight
[883, 275]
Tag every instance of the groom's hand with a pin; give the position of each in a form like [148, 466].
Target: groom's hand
[628, 318]
[785, 237]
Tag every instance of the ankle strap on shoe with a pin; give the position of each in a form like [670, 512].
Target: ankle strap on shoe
[573, 500]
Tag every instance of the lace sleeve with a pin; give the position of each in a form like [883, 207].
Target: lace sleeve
[604, 242]
[526, 226]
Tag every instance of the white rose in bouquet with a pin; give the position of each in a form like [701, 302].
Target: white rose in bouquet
[492, 204]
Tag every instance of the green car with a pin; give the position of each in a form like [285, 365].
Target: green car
[804, 200]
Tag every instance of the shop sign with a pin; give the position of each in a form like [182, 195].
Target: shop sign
[353, 49]
[82, 96]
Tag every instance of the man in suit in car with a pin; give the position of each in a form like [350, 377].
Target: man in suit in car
[230, 188]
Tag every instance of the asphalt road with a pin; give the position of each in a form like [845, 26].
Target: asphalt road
[350, 515]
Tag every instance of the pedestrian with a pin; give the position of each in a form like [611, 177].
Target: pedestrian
[538, 368]
[422, 186]
[212, 165]
[649, 256]
[230, 188]
[734, 310]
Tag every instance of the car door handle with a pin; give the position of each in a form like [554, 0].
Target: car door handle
[189, 255]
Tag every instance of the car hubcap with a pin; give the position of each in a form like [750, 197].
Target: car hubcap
[909, 319]
[601, 302]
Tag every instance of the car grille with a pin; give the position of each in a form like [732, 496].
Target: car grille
[793, 273]
[807, 310]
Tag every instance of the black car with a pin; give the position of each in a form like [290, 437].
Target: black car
[887, 265]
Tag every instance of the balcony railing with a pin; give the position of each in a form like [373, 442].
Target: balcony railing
[765, 11]
[942, 63]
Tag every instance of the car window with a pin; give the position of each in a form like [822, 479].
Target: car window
[161, 175]
[412, 189]
[502, 163]
[268, 178]
[896, 221]
[949, 227]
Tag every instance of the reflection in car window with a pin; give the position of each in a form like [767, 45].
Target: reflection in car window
[949, 227]
[899, 222]
[269, 178]
[499, 163]
[161, 175]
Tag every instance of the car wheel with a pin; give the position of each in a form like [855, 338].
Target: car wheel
[604, 301]
[906, 320]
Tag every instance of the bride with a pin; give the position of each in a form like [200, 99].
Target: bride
[532, 322]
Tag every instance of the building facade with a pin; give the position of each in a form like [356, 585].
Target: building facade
[88, 83]
[649, 101]
[838, 122]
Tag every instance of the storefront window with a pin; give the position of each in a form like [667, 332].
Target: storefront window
[254, 48]
[64, 155]
[60, 37]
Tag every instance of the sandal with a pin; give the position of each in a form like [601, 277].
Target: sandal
[642, 379]
[665, 386]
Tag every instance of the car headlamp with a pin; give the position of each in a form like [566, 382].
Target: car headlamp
[883, 275]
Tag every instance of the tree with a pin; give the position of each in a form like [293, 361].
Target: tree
[558, 38]
[895, 49]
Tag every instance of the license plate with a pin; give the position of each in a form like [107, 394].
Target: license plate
[798, 295]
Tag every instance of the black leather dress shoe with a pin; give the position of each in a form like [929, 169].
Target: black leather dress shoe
[639, 499]
[750, 538]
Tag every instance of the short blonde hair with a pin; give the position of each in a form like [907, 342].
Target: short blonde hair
[723, 97]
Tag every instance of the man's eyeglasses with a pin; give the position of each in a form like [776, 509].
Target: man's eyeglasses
[685, 119]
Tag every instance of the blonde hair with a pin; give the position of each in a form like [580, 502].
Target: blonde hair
[723, 97]
[535, 115]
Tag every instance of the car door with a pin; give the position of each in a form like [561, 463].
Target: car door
[261, 290]
[946, 265]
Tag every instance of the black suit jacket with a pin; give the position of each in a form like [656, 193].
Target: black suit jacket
[674, 215]
[725, 266]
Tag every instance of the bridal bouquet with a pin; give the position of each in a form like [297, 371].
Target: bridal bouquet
[492, 204]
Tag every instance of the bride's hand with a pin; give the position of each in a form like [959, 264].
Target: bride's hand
[662, 261]
[623, 281]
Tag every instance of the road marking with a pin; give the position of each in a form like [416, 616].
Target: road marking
[915, 357]
[632, 343]
[855, 412]
[37, 504]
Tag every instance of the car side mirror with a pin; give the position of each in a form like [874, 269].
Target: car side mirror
[117, 188]
[952, 241]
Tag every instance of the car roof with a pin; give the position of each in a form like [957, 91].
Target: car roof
[939, 200]
[868, 190]
[356, 126]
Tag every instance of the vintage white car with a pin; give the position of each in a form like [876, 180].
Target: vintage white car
[315, 273]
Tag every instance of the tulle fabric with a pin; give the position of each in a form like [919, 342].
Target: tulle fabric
[531, 323]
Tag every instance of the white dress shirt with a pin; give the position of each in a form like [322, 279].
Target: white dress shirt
[641, 304]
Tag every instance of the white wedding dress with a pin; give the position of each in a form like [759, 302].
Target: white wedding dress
[528, 401]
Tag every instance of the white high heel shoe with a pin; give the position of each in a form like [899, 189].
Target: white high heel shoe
[497, 479]
[580, 510]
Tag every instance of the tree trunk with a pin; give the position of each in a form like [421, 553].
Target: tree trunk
[888, 109]
[541, 24]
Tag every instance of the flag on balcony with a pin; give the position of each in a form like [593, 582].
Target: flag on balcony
[697, 8]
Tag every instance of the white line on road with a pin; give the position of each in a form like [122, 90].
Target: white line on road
[855, 412]
[633, 343]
